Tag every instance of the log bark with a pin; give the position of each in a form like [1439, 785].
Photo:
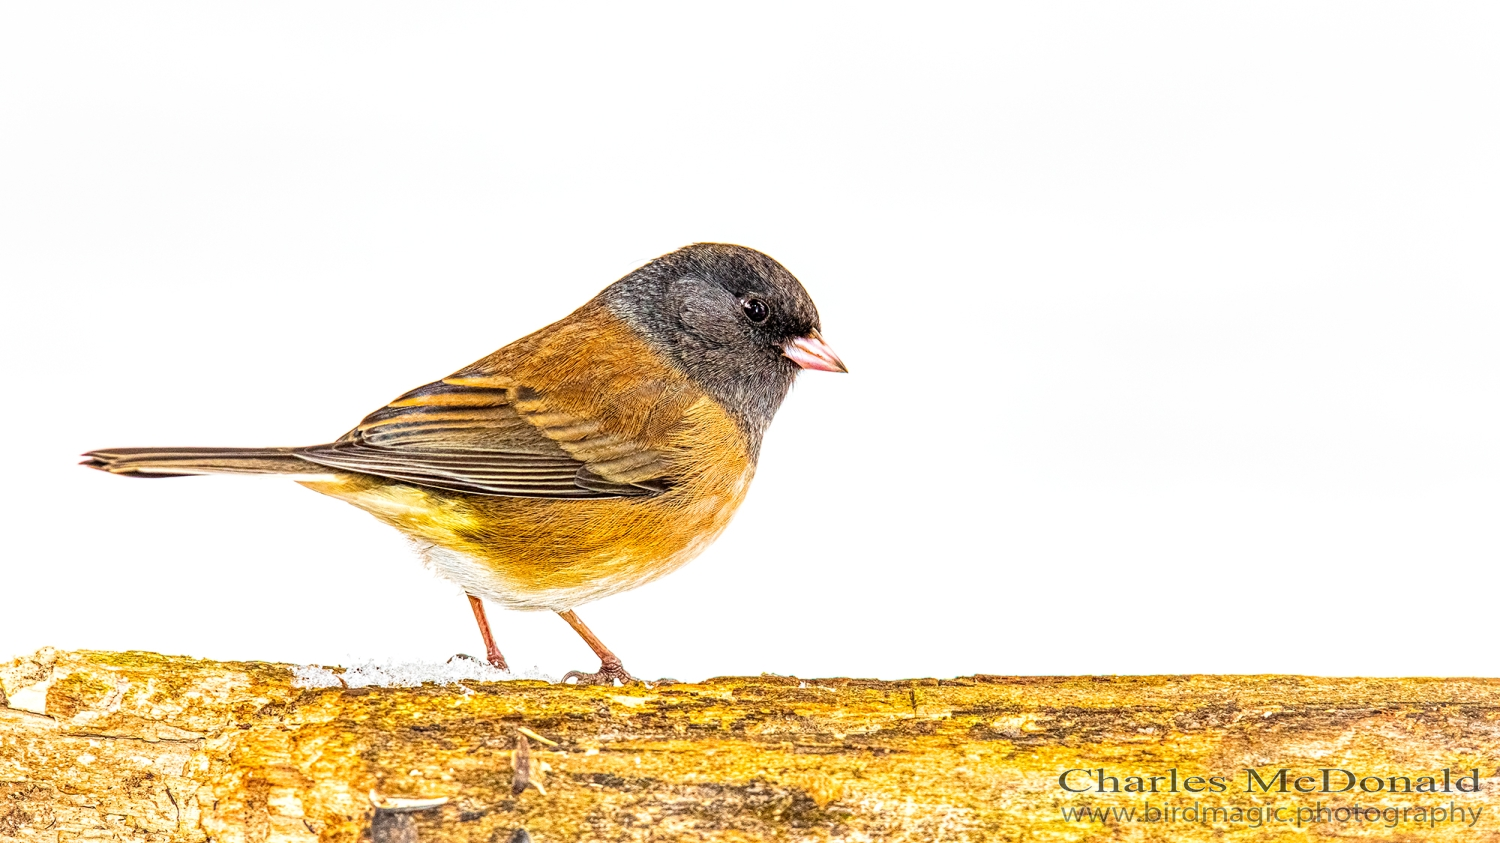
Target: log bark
[138, 746]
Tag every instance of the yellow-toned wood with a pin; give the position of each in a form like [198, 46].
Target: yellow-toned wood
[144, 747]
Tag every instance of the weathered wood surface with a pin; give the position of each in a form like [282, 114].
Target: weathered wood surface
[136, 746]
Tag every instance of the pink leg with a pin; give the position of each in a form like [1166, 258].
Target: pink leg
[610, 668]
[490, 650]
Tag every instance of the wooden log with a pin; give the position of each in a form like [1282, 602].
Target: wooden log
[139, 746]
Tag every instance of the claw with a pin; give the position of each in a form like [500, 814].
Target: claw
[610, 672]
[491, 662]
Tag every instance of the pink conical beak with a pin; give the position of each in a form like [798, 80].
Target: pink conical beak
[810, 352]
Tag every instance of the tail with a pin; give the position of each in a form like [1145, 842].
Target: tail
[181, 462]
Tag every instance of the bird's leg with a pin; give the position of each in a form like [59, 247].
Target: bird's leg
[610, 668]
[491, 652]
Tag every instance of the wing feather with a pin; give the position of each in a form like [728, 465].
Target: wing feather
[491, 436]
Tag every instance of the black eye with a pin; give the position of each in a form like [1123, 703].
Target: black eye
[756, 310]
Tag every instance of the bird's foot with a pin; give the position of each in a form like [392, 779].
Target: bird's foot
[610, 672]
[496, 660]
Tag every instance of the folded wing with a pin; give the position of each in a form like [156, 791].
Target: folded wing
[488, 435]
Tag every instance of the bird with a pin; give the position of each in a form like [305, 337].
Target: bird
[585, 459]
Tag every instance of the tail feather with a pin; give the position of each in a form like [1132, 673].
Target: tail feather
[182, 462]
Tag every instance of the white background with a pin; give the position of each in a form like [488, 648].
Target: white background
[1173, 327]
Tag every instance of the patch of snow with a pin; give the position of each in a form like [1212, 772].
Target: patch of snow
[312, 676]
[407, 674]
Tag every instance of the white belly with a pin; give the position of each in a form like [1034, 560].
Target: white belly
[481, 579]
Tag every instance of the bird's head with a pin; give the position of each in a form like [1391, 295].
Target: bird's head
[733, 319]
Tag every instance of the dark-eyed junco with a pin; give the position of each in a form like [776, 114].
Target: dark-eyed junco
[593, 456]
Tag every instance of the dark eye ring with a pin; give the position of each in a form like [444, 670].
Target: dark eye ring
[756, 310]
